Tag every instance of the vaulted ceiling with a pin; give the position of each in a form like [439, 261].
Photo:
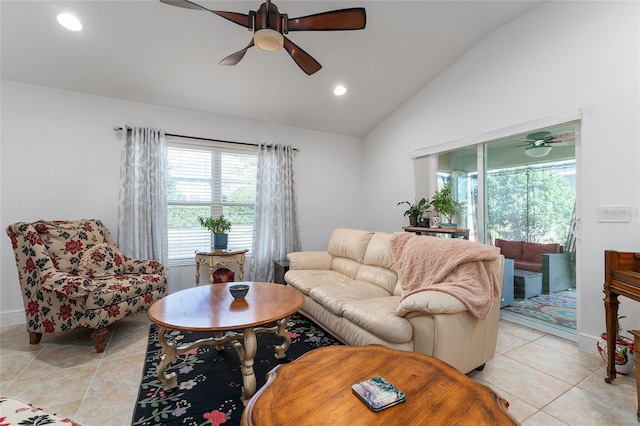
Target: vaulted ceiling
[151, 52]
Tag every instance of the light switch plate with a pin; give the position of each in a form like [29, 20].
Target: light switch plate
[614, 214]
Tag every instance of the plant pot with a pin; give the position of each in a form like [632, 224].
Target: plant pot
[413, 220]
[449, 225]
[625, 353]
[220, 241]
[435, 222]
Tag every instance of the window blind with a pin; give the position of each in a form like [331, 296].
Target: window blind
[209, 181]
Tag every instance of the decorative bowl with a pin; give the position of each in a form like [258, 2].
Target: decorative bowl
[239, 291]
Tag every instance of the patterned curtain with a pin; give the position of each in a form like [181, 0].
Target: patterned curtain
[142, 212]
[276, 231]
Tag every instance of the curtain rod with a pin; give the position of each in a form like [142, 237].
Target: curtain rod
[119, 128]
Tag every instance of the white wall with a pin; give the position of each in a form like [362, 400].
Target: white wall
[60, 159]
[560, 56]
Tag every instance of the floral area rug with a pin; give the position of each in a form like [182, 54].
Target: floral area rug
[557, 308]
[210, 382]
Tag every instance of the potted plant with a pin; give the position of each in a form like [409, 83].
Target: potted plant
[444, 204]
[416, 210]
[219, 226]
[625, 352]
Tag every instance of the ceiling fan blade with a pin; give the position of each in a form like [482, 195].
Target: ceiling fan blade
[563, 137]
[335, 20]
[302, 58]
[234, 58]
[183, 3]
[238, 18]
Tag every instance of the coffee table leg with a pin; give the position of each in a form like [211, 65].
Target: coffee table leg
[247, 355]
[169, 381]
[282, 332]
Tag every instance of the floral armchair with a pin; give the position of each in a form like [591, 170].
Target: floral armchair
[73, 276]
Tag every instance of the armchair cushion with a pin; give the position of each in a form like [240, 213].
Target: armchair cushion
[67, 285]
[138, 266]
[101, 260]
[66, 242]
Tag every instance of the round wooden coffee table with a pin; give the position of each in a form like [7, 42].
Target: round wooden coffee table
[316, 389]
[211, 308]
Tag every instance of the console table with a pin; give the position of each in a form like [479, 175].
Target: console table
[451, 232]
[219, 258]
[621, 277]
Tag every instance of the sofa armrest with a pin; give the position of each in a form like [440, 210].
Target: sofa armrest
[310, 260]
[67, 285]
[137, 267]
[430, 302]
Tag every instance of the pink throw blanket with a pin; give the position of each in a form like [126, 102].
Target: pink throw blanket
[457, 267]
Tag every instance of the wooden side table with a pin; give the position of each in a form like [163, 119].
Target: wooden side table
[280, 267]
[220, 258]
[450, 232]
[316, 389]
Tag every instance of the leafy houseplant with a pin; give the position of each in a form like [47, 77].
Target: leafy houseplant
[416, 210]
[444, 204]
[219, 226]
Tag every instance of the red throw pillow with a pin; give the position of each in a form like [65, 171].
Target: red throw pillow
[510, 249]
[533, 251]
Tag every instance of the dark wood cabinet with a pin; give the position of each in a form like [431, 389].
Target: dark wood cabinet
[280, 267]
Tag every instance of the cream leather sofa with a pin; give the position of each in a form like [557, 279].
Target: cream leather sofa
[351, 290]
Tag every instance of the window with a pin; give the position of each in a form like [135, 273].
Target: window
[208, 181]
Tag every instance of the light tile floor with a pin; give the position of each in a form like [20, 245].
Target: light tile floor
[546, 379]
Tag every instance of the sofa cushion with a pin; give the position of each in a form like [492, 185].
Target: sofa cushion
[333, 296]
[306, 280]
[527, 265]
[378, 316]
[346, 266]
[510, 249]
[101, 260]
[533, 251]
[382, 277]
[378, 253]
[349, 243]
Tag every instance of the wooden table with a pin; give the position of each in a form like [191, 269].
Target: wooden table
[451, 232]
[621, 278]
[219, 258]
[316, 389]
[212, 308]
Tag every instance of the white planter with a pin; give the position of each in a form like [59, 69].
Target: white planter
[625, 353]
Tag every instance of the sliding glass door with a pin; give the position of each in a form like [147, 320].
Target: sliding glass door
[522, 190]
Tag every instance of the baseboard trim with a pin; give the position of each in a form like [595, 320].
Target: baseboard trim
[12, 318]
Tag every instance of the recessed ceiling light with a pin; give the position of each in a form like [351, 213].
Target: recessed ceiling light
[339, 90]
[69, 21]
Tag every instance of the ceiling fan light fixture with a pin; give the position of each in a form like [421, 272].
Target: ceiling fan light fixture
[538, 151]
[268, 39]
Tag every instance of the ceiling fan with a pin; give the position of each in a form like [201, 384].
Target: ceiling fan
[539, 144]
[269, 27]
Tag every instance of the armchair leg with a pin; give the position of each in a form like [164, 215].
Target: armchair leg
[34, 338]
[99, 336]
